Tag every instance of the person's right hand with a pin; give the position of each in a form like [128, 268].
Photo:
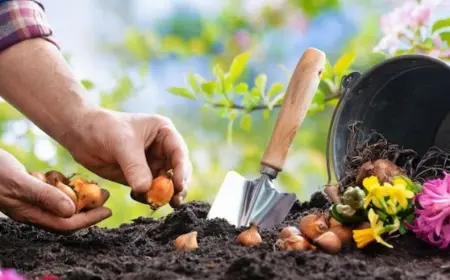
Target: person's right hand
[28, 200]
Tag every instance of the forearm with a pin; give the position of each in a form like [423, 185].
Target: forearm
[36, 79]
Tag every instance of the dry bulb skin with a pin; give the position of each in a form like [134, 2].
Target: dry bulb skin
[288, 232]
[86, 195]
[68, 191]
[383, 169]
[293, 243]
[89, 195]
[329, 242]
[187, 241]
[38, 175]
[250, 237]
[53, 177]
[313, 225]
[344, 233]
[161, 190]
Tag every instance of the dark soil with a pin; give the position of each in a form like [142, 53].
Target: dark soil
[143, 250]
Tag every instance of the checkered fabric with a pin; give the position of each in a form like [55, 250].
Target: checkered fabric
[21, 20]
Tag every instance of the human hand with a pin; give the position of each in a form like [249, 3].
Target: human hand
[28, 200]
[130, 149]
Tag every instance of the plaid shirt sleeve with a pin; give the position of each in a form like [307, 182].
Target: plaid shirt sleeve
[21, 20]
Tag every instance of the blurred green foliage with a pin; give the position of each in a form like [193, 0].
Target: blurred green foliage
[232, 97]
[227, 88]
[314, 8]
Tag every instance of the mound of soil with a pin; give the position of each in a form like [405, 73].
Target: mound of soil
[143, 250]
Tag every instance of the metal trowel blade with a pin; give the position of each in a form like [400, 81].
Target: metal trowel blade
[241, 202]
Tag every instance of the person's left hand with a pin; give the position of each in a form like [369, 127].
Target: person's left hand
[130, 149]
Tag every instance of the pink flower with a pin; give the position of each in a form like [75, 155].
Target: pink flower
[397, 21]
[437, 42]
[403, 22]
[420, 16]
[10, 274]
[388, 44]
[435, 53]
[432, 221]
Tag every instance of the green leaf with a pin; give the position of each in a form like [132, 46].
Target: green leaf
[209, 87]
[415, 188]
[261, 82]
[228, 85]
[123, 90]
[445, 36]
[218, 72]
[410, 218]
[232, 115]
[192, 81]
[220, 75]
[274, 89]
[246, 122]
[402, 229]
[313, 8]
[249, 101]
[319, 97]
[184, 92]
[427, 44]
[9, 113]
[238, 66]
[224, 102]
[343, 64]
[358, 217]
[241, 88]
[439, 24]
[383, 216]
[135, 42]
[255, 92]
[327, 71]
[266, 114]
[88, 85]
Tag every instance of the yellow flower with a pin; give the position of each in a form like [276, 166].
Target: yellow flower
[365, 236]
[399, 193]
[376, 192]
[399, 181]
[391, 207]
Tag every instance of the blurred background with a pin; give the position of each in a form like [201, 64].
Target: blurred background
[129, 53]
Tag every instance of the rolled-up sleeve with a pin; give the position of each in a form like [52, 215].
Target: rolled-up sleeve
[21, 20]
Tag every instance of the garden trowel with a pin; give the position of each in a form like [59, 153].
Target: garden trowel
[242, 201]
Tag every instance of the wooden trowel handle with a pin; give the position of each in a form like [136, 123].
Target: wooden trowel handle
[302, 86]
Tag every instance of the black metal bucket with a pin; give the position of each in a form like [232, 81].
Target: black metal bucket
[405, 98]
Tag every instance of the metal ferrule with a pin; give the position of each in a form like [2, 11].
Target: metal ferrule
[269, 171]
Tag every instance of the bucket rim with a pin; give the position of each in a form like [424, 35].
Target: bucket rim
[330, 156]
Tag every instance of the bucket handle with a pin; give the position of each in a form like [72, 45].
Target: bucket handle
[347, 82]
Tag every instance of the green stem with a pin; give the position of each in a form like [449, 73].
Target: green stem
[262, 106]
[230, 132]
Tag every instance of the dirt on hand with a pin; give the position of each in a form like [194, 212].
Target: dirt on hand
[144, 250]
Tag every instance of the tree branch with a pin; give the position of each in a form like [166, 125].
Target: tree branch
[240, 107]
[331, 97]
[261, 106]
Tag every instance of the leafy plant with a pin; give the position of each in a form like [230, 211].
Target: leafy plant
[237, 99]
